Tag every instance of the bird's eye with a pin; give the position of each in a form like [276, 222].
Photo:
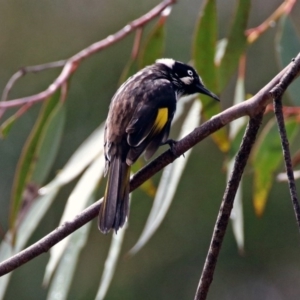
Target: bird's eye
[190, 73]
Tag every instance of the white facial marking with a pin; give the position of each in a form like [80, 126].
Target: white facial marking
[187, 80]
[169, 62]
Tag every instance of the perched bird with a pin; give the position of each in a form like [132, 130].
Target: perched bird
[139, 120]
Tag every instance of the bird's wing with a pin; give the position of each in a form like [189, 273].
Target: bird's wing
[152, 114]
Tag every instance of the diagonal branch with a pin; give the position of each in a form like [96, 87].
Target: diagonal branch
[226, 206]
[250, 107]
[287, 157]
[73, 62]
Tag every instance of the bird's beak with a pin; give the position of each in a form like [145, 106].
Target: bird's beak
[205, 91]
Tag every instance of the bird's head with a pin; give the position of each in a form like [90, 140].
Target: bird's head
[185, 78]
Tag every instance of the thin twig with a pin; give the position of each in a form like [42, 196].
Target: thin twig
[226, 206]
[30, 69]
[73, 62]
[284, 9]
[287, 158]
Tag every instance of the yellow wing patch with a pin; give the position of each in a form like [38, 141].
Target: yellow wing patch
[161, 120]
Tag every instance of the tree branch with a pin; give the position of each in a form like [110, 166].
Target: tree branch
[226, 206]
[287, 156]
[72, 63]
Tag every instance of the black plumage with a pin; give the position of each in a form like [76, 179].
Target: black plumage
[139, 121]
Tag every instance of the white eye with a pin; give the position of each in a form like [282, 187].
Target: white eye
[190, 73]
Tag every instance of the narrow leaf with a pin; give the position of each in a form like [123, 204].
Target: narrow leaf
[7, 125]
[111, 262]
[237, 216]
[168, 183]
[48, 144]
[62, 280]
[82, 157]
[235, 133]
[236, 45]
[287, 46]
[266, 158]
[77, 201]
[204, 45]
[30, 222]
[27, 160]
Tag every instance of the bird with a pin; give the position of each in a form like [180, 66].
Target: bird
[138, 122]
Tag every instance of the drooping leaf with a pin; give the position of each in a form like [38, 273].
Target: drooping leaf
[111, 261]
[204, 45]
[81, 158]
[77, 201]
[235, 134]
[236, 43]
[31, 220]
[7, 125]
[237, 216]
[287, 46]
[204, 49]
[62, 279]
[266, 158]
[168, 183]
[27, 161]
[48, 144]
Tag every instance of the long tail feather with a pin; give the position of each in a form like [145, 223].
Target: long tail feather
[115, 206]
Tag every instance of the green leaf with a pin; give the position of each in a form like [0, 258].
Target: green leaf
[7, 125]
[211, 109]
[154, 45]
[236, 216]
[48, 144]
[237, 43]
[62, 279]
[237, 127]
[111, 261]
[77, 201]
[26, 162]
[287, 46]
[168, 183]
[31, 220]
[266, 158]
[204, 45]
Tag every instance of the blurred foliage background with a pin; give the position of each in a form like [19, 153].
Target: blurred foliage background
[169, 266]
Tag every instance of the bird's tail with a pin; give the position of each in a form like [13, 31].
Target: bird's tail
[115, 207]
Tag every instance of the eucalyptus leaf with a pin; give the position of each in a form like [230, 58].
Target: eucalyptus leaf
[77, 201]
[111, 261]
[168, 183]
[287, 46]
[62, 279]
[236, 43]
[27, 161]
[266, 158]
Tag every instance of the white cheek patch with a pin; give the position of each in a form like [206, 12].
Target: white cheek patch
[187, 80]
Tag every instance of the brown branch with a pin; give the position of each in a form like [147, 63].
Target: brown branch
[30, 69]
[233, 183]
[286, 150]
[226, 206]
[73, 62]
[250, 107]
[284, 9]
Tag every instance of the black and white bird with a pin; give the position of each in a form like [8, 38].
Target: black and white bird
[139, 121]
